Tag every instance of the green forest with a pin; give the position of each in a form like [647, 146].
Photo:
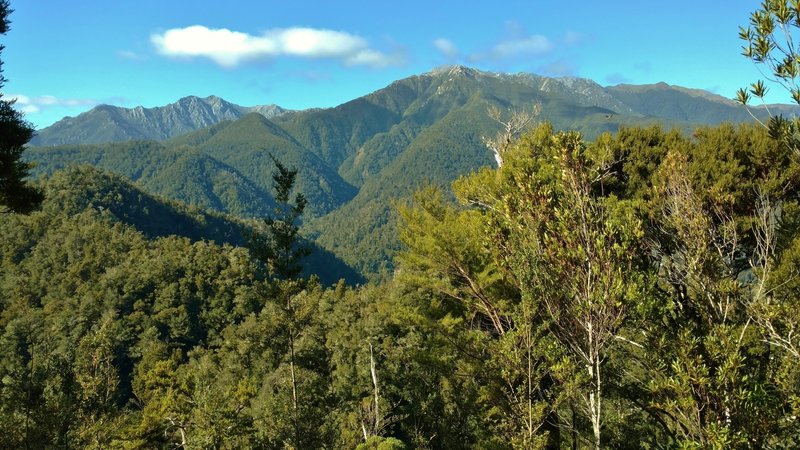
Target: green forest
[636, 291]
[629, 287]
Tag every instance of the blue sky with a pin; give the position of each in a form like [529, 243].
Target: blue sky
[63, 57]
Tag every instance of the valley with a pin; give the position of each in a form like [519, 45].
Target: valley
[379, 226]
[356, 161]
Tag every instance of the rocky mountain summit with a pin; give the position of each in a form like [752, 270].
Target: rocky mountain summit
[106, 123]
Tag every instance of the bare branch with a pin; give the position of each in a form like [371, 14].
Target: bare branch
[512, 128]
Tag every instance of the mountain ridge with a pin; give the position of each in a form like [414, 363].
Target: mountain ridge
[109, 123]
[355, 160]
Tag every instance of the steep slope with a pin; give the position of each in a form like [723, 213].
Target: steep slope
[334, 134]
[115, 199]
[177, 173]
[675, 103]
[363, 232]
[227, 167]
[427, 100]
[198, 179]
[249, 144]
[363, 136]
[107, 123]
[73, 191]
[354, 160]
[133, 159]
[393, 164]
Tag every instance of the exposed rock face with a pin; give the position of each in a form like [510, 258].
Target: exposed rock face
[107, 123]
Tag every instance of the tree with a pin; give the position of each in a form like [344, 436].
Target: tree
[769, 42]
[280, 248]
[546, 266]
[511, 129]
[446, 255]
[15, 194]
[571, 251]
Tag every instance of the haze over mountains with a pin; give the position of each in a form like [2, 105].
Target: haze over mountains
[356, 158]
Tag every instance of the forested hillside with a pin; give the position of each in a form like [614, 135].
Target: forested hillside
[357, 159]
[634, 291]
[459, 260]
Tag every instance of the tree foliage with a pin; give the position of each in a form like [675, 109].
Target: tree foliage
[770, 42]
[280, 247]
[647, 257]
[16, 195]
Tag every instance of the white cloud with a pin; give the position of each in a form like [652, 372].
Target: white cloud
[230, 48]
[528, 45]
[20, 99]
[312, 43]
[446, 47]
[47, 100]
[515, 48]
[32, 105]
[374, 59]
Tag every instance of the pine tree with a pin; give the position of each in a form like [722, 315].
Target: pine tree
[15, 195]
[279, 248]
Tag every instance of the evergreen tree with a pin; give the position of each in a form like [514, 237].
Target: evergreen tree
[15, 132]
[279, 248]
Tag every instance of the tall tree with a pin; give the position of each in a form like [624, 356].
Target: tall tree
[15, 194]
[447, 257]
[573, 252]
[280, 248]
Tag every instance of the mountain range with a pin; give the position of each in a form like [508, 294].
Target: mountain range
[106, 123]
[356, 159]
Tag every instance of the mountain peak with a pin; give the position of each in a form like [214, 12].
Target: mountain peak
[455, 70]
[187, 99]
[218, 102]
[116, 124]
[573, 81]
[428, 95]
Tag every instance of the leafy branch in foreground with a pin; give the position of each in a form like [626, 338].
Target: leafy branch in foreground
[770, 44]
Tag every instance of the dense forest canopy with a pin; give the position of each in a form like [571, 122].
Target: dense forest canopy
[357, 159]
[637, 291]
